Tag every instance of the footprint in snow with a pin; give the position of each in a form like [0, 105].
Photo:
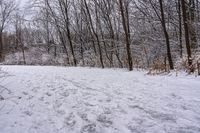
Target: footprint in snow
[83, 116]
[25, 93]
[57, 104]
[64, 94]
[89, 128]
[104, 120]
[61, 112]
[136, 129]
[41, 98]
[30, 97]
[107, 111]
[176, 96]
[188, 129]
[48, 94]
[28, 113]
[53, 89]
[70, 120]
[47, 103]
[35, 89]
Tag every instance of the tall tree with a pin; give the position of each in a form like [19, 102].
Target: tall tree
[64, 5]
[6, 8]
[166, 35]
[191, 21]
[95, 33]
[186, 28]
[123, 6]
[180, 28]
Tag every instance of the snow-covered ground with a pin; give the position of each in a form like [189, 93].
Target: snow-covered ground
[38, 99]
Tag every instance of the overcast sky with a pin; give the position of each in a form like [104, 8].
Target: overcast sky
[22, 2]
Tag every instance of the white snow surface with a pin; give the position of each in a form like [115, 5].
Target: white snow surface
[41, 99]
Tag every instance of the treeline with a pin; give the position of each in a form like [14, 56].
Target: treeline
[105, 33]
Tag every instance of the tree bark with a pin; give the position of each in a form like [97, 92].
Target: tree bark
[192, 30]
[127, 34]
[185, 22]
[180, 28]
[171, 65]
[1, 47]
[95, 34]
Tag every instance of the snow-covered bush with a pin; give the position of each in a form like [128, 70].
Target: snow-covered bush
[35, 56]
[182, 63]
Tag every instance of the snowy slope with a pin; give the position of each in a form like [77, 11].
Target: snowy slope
[84, 100]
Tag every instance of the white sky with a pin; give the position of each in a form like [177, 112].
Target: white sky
[22, 2]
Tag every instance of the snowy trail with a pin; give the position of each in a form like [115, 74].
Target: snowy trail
[84, 100]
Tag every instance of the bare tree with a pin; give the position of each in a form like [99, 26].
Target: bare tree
[6, 9]
[186, 27]
[123, 6]
[19, 36]
[105, 33]
[64, 6]
[94, 33]
[166, 35]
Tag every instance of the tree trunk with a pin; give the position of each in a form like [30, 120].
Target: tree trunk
[127, 35]
[68, 32]
[171, 65]
[185, 22]
[180, 28]
[95, 34]
[1, 47]
[192, 30]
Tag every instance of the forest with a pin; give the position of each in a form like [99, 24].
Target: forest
[145, 34]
